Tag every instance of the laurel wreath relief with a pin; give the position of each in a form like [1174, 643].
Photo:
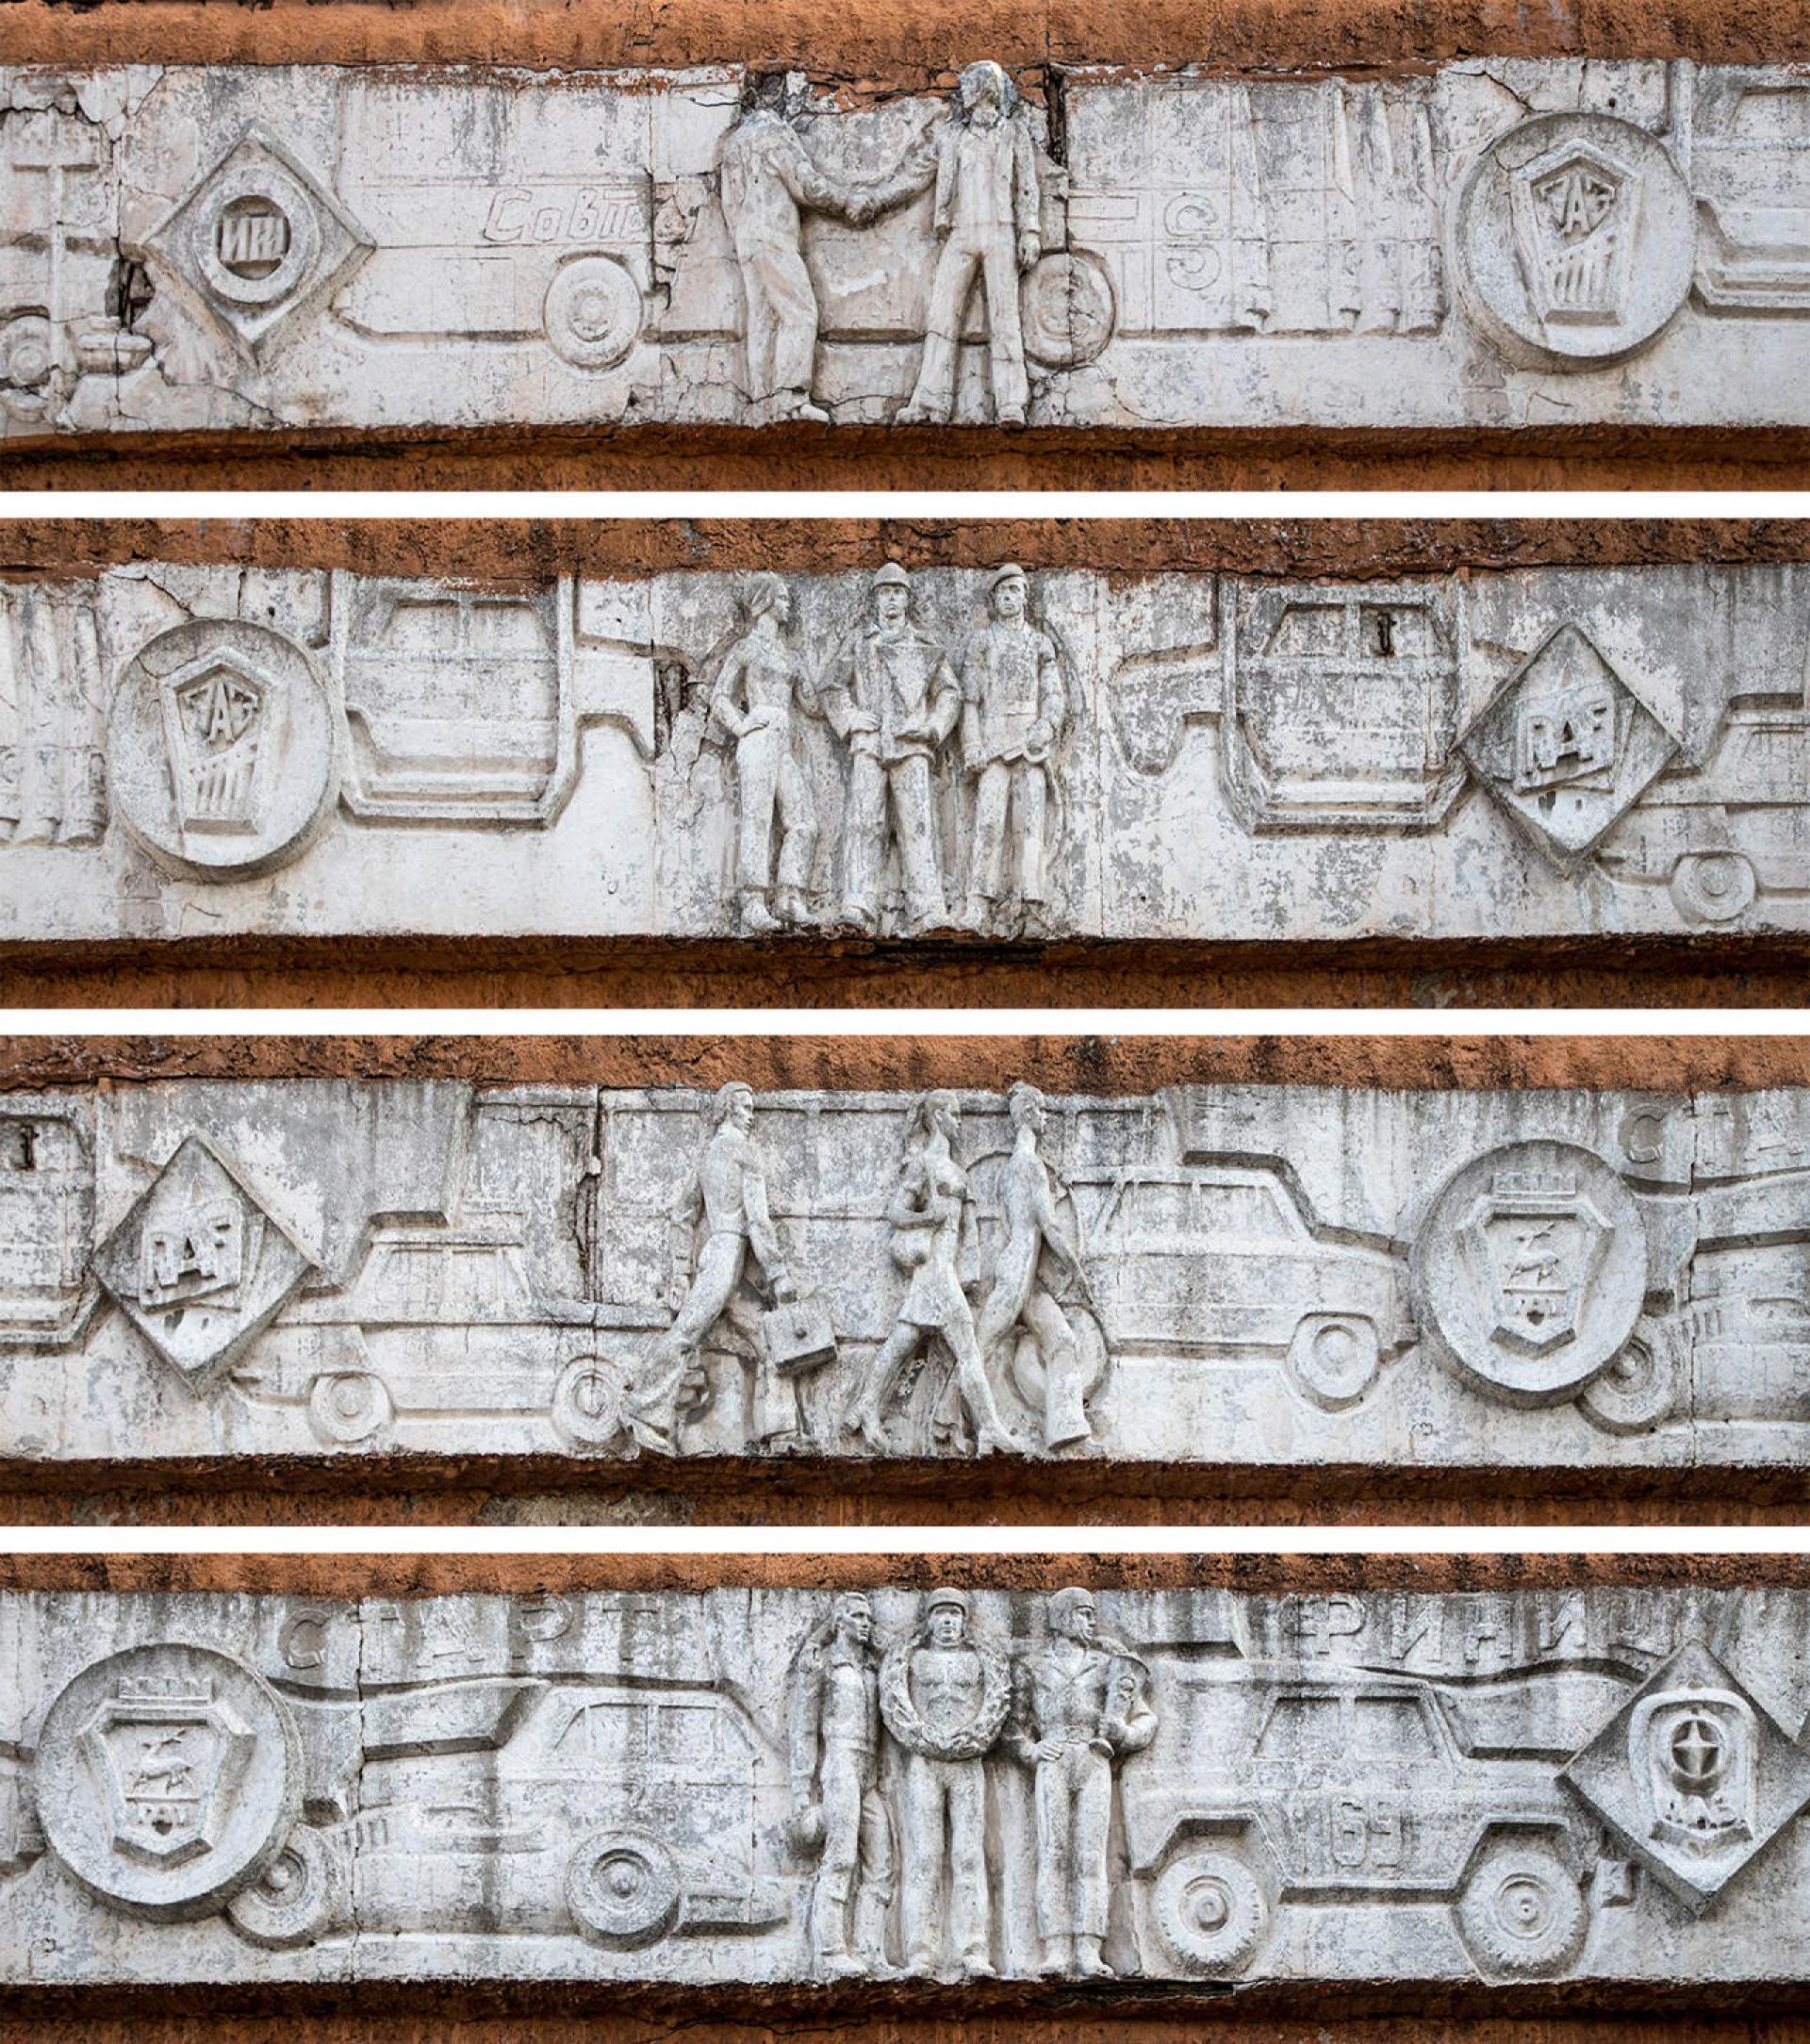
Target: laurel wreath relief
[976, 1736]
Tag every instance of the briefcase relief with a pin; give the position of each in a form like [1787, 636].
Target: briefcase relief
[798, 1336]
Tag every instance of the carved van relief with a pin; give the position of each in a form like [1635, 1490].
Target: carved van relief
[1075, 246]
[46, 1218]
[786, 1785]
[1255, 1276]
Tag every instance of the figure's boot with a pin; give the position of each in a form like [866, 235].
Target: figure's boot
[862, 1420]
[829, 1930]
[1065, 1418]
[788, 905]
[1088, 1962]
[1055, 1962]
[870, 1936]
[797, 405]
[758, 920]
[651, 1410]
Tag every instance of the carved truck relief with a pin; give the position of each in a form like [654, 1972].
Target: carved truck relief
[1492, 243]
[1269, 1275]
[1007, 754]
[782, 1786]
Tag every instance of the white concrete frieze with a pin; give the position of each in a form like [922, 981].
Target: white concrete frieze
[1259, 1274]
[995, 754]
[777, 1785]
[1491, 242]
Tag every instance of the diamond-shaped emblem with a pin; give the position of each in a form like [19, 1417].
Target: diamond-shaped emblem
[169, 1757]
[258, 239]
[1532, 1245]
[200, 1264]
[1566, 746]
[1693, 1776]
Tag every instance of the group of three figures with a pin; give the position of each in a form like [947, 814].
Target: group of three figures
[894, 699]
[1068, 1708]
[931, 1218]
[983, 168]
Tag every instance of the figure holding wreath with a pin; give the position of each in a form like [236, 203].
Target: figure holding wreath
[944, 1694]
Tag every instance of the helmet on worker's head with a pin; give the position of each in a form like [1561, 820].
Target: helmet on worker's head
[1066, 1603]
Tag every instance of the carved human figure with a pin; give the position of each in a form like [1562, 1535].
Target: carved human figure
[1014, 710]
[838, 1813]
[1020, 1299]
[892, 695]
[944, 1695]
[756, 685]
[767, 181]
[730, 1188]
[929, 1214]
[1079, 1706]
[987, 219]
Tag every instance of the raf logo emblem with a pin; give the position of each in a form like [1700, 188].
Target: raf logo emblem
[1566, 746]
[200, 1265]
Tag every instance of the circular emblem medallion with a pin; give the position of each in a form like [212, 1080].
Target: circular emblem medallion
[1530, 1270]
[169, 1777]
[223, 748]
[1576, 240]
[255, 237]
[1067, 311]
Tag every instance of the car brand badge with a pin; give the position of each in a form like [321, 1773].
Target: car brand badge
[167, 1756]
[224, 732]
[1567, 746]
[200, 1263]
[1533, 1244]
[1574, 217]
[1693, 1776]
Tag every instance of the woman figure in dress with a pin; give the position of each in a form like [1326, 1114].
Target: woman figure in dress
[926, 1213]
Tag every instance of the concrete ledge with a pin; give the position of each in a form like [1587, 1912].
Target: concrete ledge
[473, 1274]
[1270, 755]
[317, 1731]
[1351, 264]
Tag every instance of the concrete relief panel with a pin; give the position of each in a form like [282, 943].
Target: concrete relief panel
[1002, 753]
[780, 1786]
[1491, 242]
[1267, 1275]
